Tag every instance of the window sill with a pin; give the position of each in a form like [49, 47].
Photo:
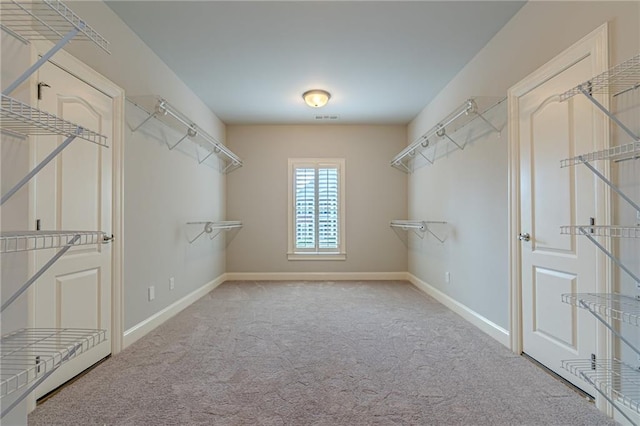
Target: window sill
[316, 256]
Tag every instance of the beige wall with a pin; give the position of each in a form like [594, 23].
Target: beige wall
[257, 195]
[477, 201]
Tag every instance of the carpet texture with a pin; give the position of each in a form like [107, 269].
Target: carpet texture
[317, 353]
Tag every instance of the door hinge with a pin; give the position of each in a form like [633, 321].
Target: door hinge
[40, 86]
[37, 224]
[593, 361]
[592, 222]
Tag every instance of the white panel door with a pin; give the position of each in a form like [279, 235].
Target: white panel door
[74, 193]
[551, 263]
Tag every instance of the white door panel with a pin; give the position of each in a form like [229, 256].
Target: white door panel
[74, 193]
[553, 264]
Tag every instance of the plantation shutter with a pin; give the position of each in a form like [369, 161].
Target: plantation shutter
[317, 207]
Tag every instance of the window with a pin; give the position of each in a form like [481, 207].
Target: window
[316, 212]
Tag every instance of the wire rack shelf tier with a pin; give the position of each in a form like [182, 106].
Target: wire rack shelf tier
[52, 347]
[629, 150]
[23, 119]
[419, 227]
[612, 231]
[470, 110]
[18, 241]
[215, 228]
[158, 108]
[609, 305]
[46, 20]
[622, 77]
[615, 380]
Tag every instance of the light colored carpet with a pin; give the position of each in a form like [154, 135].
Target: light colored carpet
[317, 353]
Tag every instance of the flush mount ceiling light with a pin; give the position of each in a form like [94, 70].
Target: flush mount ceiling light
[316, 98]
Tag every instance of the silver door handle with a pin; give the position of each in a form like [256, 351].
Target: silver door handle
[524, 237]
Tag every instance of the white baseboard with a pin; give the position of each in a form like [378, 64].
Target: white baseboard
[315, 276]
[141, 329]
[485, 325]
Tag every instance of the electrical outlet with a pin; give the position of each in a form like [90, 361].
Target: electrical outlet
[172, 283]
[152, 293]
[447, 277]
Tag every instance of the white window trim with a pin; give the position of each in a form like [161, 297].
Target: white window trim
[291, 251]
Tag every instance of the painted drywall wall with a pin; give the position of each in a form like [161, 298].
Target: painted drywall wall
[162, 189]
[375, 194]
[472, 184]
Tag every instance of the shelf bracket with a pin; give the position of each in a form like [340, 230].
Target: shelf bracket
[33, 68]
[39, 167]
[442, 240]
[609, 255]
[498, 131]
[609, 114]
[443, 134]
[215, 150]
[38, 274]
[610, 184]
[30, 389]
[607, 397]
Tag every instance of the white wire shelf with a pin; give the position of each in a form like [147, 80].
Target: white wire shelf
[419, 227]
[469, 111]
[612, 231]
[29, 354]
[609, 305]
[630, 150]
[20, 118]
[18, 241]
[46, 20]
[620, 78]
[158, 108]
[215, 228]
[615, 380]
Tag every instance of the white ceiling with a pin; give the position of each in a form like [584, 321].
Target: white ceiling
[250, 62]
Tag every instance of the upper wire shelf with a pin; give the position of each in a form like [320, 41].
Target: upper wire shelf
[611, 305]
[46, 20]
[621, 78]
[419, 227]
[613, 231]
[214, 228]
[470, 110]
[23, 119]
[158, 108]
[630, 150]
[51, 348]
[615, 380]
[18, 241]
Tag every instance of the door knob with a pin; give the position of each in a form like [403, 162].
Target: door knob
[524, 237]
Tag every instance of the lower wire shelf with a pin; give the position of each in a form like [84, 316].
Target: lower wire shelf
[612, 378]
[29, 355]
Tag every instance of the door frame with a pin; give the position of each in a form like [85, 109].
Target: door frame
[83, 72]
[595, 44]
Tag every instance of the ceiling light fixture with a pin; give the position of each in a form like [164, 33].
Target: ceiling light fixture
[316, 98]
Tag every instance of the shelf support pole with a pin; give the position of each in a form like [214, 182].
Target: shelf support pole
[609, 114]
[38, 274]
[609, 255]
[39, 167]
[610, 184]
[33, 68]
